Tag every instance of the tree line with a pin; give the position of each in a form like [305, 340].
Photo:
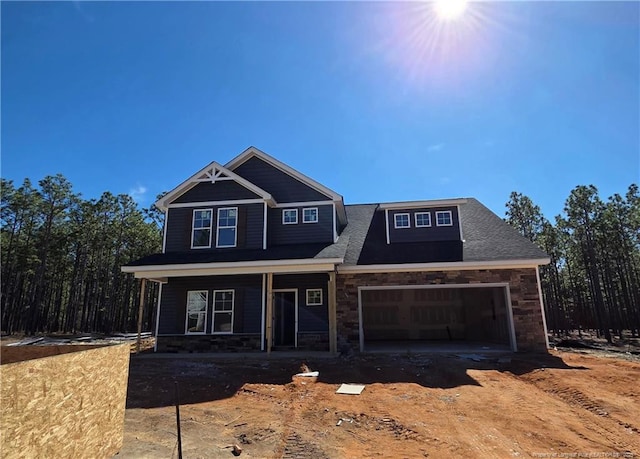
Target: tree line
[61, 258]
[593, 280]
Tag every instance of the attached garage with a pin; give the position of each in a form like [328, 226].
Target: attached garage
[468, 313]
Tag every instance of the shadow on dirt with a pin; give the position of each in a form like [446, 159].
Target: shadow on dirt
[152, 380]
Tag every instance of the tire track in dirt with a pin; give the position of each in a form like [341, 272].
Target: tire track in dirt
[294, 445]
[575, 397]
[578, 399]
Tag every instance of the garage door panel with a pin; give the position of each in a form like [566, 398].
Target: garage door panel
[473, 314]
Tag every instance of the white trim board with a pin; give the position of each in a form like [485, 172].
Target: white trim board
[422, 204]
[215, 203]
[544, 315]
[262, 321]
[444, 266]
[306, 265]
[155, 344]
[304, 204]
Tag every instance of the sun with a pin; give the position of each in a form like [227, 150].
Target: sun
[450, 10]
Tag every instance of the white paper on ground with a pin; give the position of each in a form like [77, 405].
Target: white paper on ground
[350, 389]
[309, 373]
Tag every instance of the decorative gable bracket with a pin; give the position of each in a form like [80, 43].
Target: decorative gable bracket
[213, 174]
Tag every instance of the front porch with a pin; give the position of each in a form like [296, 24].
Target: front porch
[268, 312]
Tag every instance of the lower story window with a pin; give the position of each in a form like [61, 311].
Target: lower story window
[196, 311]
[223, 311]
[314, 297]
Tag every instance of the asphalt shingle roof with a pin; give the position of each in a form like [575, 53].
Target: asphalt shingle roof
[486, 238]
[282, 252]
[363, 242]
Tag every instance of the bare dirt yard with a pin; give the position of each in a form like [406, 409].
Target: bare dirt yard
[565, 404]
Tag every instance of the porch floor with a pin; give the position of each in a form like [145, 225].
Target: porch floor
[434, 347]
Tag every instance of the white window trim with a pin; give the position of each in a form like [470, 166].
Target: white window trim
[295, 211]
[213, 311]
[444, 212]
[206, 310]
[310, 221]
[395, 221]
[193, 229]
[218, 227]
[415, 216]
[307, 296]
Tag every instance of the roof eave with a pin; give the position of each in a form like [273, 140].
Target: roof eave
[446, 266]
[419, 204]
[236, 267]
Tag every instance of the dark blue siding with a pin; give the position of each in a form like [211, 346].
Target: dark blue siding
[300, 233]
[247, 304]
[225, 190]
[280, 185]
[424, 234]
[249, 231]
[310, 318]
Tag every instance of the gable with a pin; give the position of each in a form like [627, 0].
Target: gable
[217, 191]
[281, 185]
[210, 176]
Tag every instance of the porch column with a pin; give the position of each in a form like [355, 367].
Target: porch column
[143, 291]
[333, 335]
[269, 314]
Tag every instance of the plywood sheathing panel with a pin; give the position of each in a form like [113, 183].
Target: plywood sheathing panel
[66, 405]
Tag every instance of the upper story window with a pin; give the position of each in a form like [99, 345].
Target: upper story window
[196, 311]
[289, 216]
[443, 218]
[310, 215]
[422, 219]
[201, 235]
[401, 221]
[227, 227]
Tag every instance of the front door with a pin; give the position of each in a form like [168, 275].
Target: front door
[284, 318]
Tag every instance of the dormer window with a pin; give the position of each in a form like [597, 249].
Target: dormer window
[443, 218]
[201, 235]
[289, 216]
[423, 219]
[310, 215]
[401, 221]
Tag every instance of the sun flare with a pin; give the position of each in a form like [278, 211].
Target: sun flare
[449, 10]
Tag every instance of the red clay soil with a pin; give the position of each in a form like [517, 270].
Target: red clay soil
[413, 406]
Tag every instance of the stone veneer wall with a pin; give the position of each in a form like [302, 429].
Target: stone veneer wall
[309, 341]
[525, 302]
[209, 343]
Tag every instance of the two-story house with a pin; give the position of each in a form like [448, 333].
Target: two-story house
[257, 256]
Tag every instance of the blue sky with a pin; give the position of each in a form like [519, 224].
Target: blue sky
[378, 101]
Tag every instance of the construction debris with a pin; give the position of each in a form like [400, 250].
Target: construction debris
[309, 374]
[79, 339]
[350, 389]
